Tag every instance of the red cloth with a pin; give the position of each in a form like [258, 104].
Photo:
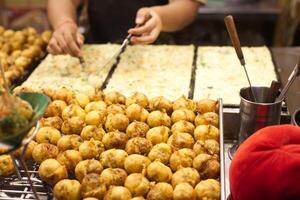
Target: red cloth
[267, 165]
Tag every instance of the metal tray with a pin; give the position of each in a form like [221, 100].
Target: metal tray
[222, 151]
[11, 188]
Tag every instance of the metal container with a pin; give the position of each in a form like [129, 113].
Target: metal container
[296, 118]
[11, 188]
[257, 115]
[222, 152]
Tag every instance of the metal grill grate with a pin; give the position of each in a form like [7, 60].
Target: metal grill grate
[11, 188]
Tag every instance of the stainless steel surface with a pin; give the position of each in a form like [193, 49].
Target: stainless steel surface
[292, 78]
[296, 118]
[222, 152]
[256, 115]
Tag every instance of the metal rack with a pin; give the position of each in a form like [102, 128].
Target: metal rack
[12, 188]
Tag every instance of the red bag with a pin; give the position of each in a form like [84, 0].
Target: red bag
[267, 165]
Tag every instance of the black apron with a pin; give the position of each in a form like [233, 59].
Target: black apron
[111, 19]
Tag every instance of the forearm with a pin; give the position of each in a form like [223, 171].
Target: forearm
[177, 14]
[60, 11]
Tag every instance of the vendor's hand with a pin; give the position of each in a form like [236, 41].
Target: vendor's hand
[66, 40]
[149, 27]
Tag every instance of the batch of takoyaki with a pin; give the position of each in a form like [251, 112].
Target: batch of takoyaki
[18, 49]
[116, 148]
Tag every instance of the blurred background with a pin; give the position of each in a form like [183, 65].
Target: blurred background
[259, 22]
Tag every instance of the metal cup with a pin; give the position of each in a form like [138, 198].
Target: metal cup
[296, 118]
[255, 115]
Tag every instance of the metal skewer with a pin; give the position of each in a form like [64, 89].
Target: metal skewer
[291, 79]
[230, 25]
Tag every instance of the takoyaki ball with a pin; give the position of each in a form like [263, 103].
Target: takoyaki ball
[96, 95]
[96, 117]
[67, 142]
[114, 98]
[39, 43]
[158, 118]
[31, 31]
[180, 141]
[73, 125]
[159, 172]
[137, 129]
[208, 189]
[115, 139]
[205, 132]
[137, 184]
[183, 127]
[95, 105]
[137, 98]
[113, 158]
[116, 122]
[6, 166]
[207, 167]
[211, 147]
[113, 176]
[117, 193]
[186, 175]
[206, 105]
[14, 55]
[160, 191]
[90, 198]
[209, 118]
[2, 29]
[55, 122]
[8, 33]
[67, 189]
[184, 103]
[136, 163]
[22, 62]
[92, 131]
[28, 152]
[91, 186]
[46, 36]
[81, 99]
[138, 198]
[160, 152]
[161, 103]
[183, 114]
[73, 110]
[34, 51]
[116, 108]
[48, 135]
[44, 151]
[158, 135]
[87, 167]
[138, 145]
[69, 158]
[91, 149]
[51, 171]
[184, 191]
[181, 159]
[135, 112]
[63, 94]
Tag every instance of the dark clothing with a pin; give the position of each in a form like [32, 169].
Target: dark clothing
[111, 19]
